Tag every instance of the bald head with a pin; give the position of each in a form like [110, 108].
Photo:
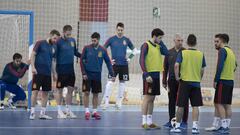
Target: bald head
[178, 40]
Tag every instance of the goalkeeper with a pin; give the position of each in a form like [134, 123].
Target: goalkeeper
[118, 45]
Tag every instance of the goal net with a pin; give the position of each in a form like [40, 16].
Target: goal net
[14, 38]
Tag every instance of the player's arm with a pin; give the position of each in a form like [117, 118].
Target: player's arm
[143, 53]
[177, 66]
[165, 71]
[54, 69]
[82, 63]
[163, 50]
[24, 68]
[19, 74]
[235, 66]
[6, 71]
[54, 64]
[222, 54]
[76, 52]
[33, 57]
[108, 63]
[203, 66]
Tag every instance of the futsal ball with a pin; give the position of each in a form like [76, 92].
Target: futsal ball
[173, 121]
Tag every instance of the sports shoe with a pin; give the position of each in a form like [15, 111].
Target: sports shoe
[45, 117]
[213, 128]
[168, 125]
[104, 107]
[71, 115]
[118, 107]
[154, 126]
[2, 106]
[183, 125]
[176, 130]
[223, 130]
[61, 115]
[87, 115]
[96, 115]
[11, 105]
[32, 116]
[146, 127]
[195, 131]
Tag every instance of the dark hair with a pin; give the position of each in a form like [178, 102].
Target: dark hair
[217, 35]
[17, 56]
[224, 37]
[192, 40]
[157, 32]
[55, 32]
[120, 24]
[67, 28]
[95, 35]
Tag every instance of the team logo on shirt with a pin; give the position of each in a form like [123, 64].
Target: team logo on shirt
[72, 44]
[100, 54]
[124, 42]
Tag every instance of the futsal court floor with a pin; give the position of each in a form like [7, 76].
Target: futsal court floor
[127, 121]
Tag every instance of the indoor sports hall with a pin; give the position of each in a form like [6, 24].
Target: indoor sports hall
[24, 22]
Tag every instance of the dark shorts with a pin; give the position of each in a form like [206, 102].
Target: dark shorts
[186, 92]
[65, 80]
[223, 94]
[43, 81]
[92, 85]
[122, 72]
[151, 88]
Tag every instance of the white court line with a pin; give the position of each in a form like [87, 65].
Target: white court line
[127, 128]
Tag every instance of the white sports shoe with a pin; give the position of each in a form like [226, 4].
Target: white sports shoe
[104, 107]
[195, 131]
[2, 107]
[71, 115]
[176, 130]
[11, 105]
[32, 116]
[61, 115]
[118, 106]
[213, 128]
[45, 117]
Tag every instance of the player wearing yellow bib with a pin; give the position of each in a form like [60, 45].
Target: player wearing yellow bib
[151, 62]
[192, 64]
[223, 83]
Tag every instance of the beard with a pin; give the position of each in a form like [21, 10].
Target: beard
[217, 48]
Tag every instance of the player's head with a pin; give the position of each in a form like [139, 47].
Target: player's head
[178, 40]
[225, 38]
[157, 35]
[191, 40]
[67, 31]
[54, 35]
[17, 59]
[217, 41]
[119, 29]
[220, 40]
[95, 38]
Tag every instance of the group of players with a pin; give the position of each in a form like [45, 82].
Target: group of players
[182, 73]
[182, 69]
[53, 59]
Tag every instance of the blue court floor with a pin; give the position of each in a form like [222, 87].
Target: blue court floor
[124, 122]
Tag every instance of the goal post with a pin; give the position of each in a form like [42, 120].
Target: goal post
[30, 23]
